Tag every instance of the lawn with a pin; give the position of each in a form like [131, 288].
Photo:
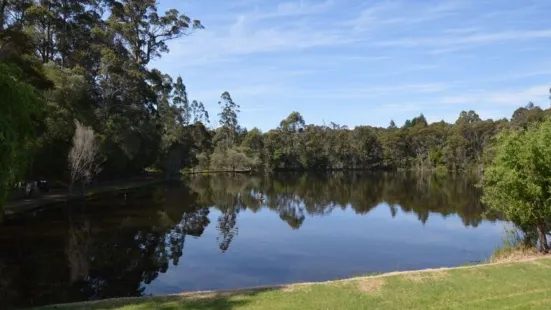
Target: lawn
[513, 285]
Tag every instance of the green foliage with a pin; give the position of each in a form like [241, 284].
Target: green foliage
[468, 118]
[181, 101]
[148, 32]
[90, 61]
[294, 122]
[229, 124]
[417, 145]
[518, 181]
[233, 159]
[20, 110]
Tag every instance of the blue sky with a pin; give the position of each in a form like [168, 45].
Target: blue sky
[364, 62]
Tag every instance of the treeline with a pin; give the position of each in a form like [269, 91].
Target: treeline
[89, 62]
[294, 145]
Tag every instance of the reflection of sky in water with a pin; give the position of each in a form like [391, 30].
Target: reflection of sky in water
[267, 251]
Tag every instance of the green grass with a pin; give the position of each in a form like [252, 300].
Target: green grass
[513, 285]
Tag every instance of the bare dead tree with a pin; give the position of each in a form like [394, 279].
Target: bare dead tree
[83, 156]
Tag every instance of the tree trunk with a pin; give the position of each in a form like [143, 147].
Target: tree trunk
[544, 247]
[71, 184]
[3, 5]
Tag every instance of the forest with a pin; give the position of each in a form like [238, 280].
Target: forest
[82, 68]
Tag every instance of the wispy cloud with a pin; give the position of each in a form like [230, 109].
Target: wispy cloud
[292, 9]
[242, 39]
[370, 92]
[511, 98]
[380, 59]
[478, 38]
[400, 13]
[488, 104]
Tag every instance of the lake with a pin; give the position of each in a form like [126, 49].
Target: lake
[229, 231]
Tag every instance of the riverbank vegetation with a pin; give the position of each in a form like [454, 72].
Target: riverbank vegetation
[474, 287]
[517, 180]
[90, 61]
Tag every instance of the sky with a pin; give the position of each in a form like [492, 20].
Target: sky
[357, 62]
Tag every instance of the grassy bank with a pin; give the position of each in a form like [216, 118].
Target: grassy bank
[523, 284]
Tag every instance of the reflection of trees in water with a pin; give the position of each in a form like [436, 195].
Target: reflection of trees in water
[227, 227]
[192, 224]
[293, 215]
[111, 247]
[229, 196]
[294, 195]
[77, 249]
[107, 249]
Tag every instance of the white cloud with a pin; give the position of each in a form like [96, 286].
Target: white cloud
[365, 92]
[370, 16]
[406, 88]
[478, 38]
[258, 31]
[501, 98]
[245, 91]
[487, 103]
[394, 13]
[314, 53]
[240, 40]
[461, 30]
[293, 9]
[516, 12]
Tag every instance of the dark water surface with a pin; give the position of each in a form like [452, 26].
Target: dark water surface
[222, 231]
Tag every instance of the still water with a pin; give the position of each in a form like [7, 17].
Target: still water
[224, 231]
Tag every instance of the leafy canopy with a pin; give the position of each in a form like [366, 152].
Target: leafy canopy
[518, 180]
[19, 110]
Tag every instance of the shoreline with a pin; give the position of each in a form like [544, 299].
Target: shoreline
[193, 296]
[17, 206]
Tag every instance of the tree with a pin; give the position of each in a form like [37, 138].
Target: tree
[66, 101]
[89, 60]
[181, 102]
[83, 157]
[517, 182]
[199, 113]
[20, 110]
[253, 140]
[524, 116]
[228, 121]
[144, 32]
[419, 121]
[454, 152]
[467, 118]
[293, 123]
[416, 121]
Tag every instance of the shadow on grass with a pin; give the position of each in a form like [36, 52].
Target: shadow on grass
[223, 300]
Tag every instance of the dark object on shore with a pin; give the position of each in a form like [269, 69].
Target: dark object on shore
[33, 188]
[43, 186]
